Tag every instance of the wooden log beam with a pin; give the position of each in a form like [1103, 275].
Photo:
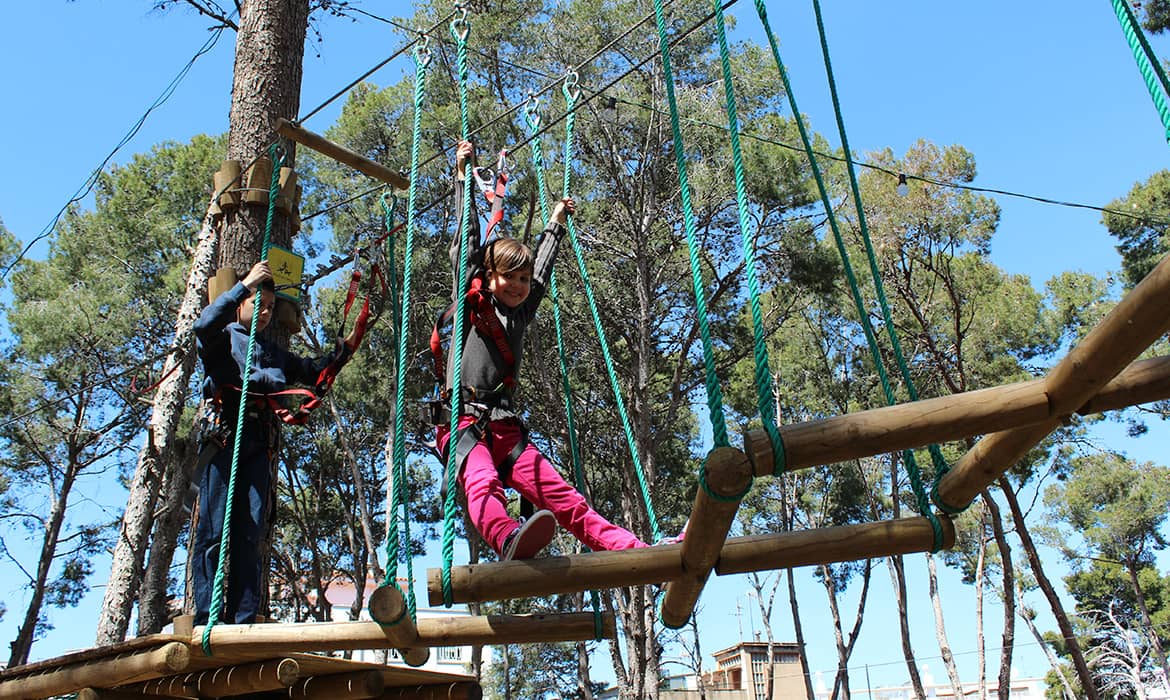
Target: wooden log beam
[467, 690]
[728, 476]
[553, 575]
[166, 660]
[831, 544]
[259, 677]
[243, 641]
[107, 694]
[355, 685]
[1139, 319]
[946, 418]
[388, 608]
[339, 153]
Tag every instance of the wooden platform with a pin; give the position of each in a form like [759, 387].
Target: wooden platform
[172, 666]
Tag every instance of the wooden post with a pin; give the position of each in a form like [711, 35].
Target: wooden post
[831, 544]
[1138, 320]
[339, 686]
[728, 477]
[467, 690]
[226, 182]
[553, 575]
[388, 608]
[953, 417]
[256, 641]
[258, 181]
[168, 659]
[340, 153]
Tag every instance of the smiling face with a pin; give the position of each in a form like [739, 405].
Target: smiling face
[511, 288]
[267, 301]
[508, 264]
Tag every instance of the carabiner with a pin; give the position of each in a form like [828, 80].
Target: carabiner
[532, 111]
[460, 26]
[572, 92]
[422, 49]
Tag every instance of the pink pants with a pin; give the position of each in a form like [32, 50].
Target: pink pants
[536, 480]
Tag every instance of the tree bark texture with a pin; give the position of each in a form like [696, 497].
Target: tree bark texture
[940, 629]
[1062, 621]
[154, 611]
[158, 453]
[1009, 598]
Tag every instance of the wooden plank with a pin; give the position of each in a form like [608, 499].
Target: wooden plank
[356, 685]
[1139, 319]
[340, 153]
[154, 641]
[831, 544]
[553, 575]
[467, 690]
[728, 476]
[225, 681]
[102, 672]
[233, 642]
[954, 417]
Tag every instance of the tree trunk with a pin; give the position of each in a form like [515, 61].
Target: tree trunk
[270, 47]
[980, 642]
[940, 629]
[154, 612]
[1062, 621]
[898, 574]
[1009, 599]
[1131, 567]
[1026, 616]
[798, 630]
[158, 454]
[22, 645]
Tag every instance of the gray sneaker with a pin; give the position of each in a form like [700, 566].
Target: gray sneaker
[531, 537]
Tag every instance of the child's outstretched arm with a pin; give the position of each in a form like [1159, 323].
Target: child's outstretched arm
[546, 249]
[464, 154]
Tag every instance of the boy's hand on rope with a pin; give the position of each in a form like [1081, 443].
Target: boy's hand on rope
[463, 152]
[259, 274]
[564, 208]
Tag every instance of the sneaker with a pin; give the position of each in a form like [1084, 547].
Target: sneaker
[531, 537]
[677, 539]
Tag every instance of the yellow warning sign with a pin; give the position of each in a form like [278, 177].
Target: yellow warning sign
[287, 270]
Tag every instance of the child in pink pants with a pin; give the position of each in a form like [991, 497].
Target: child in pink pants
[507, 282]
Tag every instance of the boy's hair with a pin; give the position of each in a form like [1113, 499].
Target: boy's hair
[507, 255]
[268, 286]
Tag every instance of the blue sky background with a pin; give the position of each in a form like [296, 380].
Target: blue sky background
[1046, 95]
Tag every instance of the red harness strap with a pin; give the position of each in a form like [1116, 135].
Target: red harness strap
[483, 316]
[494, 186]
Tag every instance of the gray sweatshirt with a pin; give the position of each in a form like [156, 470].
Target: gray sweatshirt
[484, 368]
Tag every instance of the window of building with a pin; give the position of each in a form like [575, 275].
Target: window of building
[450, 655]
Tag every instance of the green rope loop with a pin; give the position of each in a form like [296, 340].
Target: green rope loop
[765, 394]
[276, 155]
[714, 393]
[422, 59]
[460, 28]
[570, 118]
[940, 464]
[943, 506]
[1148, 64]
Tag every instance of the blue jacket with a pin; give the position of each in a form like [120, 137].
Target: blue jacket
[223, 346]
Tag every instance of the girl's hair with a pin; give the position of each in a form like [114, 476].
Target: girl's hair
[507, 255]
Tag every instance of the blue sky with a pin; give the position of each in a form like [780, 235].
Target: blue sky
[1045, 94]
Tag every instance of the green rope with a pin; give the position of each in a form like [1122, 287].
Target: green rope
[225, 539]
[765, 395]
[574, 448]
[940, 464]
[714, 393]
[1148, 64]
[605, 354]
[460, 28]
[854, 289]
[422, 59]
